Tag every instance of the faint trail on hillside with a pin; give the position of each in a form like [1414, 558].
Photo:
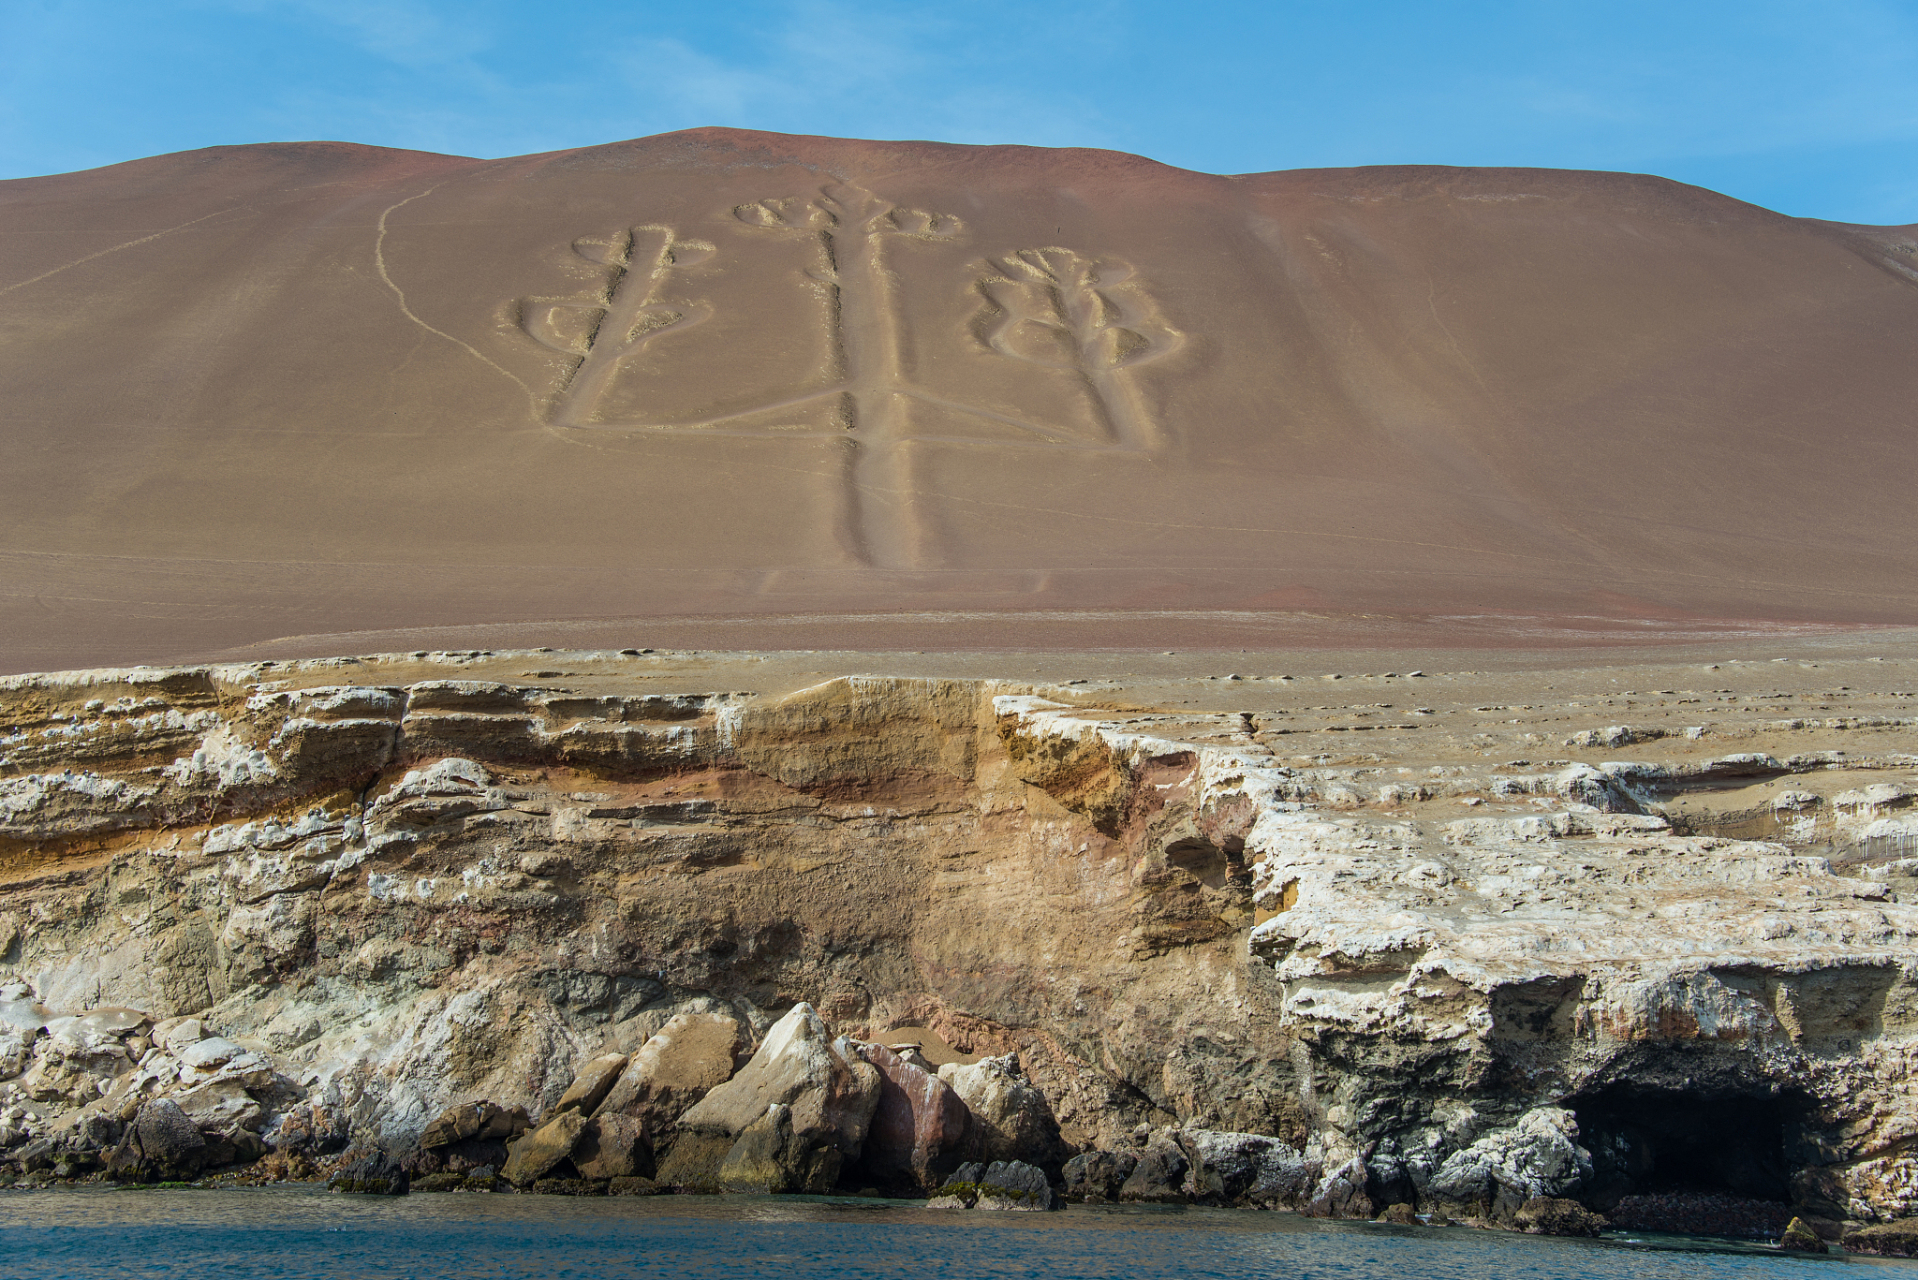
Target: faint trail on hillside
[116, 248]
[379, 265]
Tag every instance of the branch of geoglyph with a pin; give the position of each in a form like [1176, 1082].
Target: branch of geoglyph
[1060, 310]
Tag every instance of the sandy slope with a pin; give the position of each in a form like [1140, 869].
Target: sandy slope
[313, 389]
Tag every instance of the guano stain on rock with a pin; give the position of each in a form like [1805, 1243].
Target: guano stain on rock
[354, 907]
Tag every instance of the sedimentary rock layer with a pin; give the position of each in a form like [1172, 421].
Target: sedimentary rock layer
[296, 900]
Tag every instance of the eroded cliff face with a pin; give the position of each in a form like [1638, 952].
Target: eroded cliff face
[387, 899]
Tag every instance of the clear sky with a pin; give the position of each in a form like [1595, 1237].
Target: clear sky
[1809, 108]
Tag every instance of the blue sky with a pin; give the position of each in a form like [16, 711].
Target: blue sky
[1810, 108]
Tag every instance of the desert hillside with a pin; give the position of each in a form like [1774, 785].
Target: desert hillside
[272, 391]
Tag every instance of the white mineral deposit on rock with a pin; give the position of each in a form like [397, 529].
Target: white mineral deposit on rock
[605, 937]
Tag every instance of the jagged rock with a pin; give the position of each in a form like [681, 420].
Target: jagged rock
[505, 1124]
[1616, 735]
[961, 1189]
[98, 1132]
[830, 1092]
[208, 1053]
[1556, 1216]
[237, 1146]
[375, 1174]
[15, 1053]
[221, 1106]
[455, 1124]
[692, 1162]
[1342, 1193]
[1159, 1176]
[1001, 1185]
[1015, 1185]
[1539, 1156]
[440, 1182]
[1234, 1168]
[70, 1164]
[567, 1187]
[458, 1123]
[1830, 1230]
[1096, 1176]
[286, 1033]
[1585, 785]
[771, 1157]
[1399, 1215]
[483, 1178]
[54, 1077]
[1287, 1180]
[464, 1157]
[1011, 1119]
[161, 1145]
[308, 1129]
[1885, 1239]
[633, 1187]
[448, 788]
[918, 1124]
[534, 1154]
[594, 1081]
[222, 1150]
[612, 1147]
[1798, 1238]
[684, 1061]
[178, 1033]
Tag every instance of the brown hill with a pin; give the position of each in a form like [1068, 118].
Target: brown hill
[256, 392]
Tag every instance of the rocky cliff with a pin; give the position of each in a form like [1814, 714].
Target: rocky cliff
[315, 908]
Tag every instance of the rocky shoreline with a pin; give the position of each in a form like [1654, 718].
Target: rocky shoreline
[706, 1106]
[405, 922]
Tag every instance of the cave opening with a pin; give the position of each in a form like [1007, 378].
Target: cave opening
[1663, 1142]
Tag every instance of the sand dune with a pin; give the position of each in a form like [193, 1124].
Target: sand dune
[316, 389]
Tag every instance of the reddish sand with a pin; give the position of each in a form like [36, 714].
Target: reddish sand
[904, 394]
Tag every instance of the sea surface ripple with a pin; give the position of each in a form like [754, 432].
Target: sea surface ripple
[272, 1233]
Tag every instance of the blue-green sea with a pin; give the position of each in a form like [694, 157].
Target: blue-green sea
[304, 1232]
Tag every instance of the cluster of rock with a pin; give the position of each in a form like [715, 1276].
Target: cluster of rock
[1003, 1184]
[1510, 1178]
[700, 1108]
[1885, 1239]
[703, 1105]
[112, 1090]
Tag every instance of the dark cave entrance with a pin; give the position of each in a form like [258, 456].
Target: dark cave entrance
[1662, 1142]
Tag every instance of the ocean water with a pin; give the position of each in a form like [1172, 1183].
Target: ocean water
[304, 1232]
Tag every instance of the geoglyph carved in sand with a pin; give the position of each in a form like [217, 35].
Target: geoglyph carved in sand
[1084, 316]
[1053, 308]
[630, 313]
